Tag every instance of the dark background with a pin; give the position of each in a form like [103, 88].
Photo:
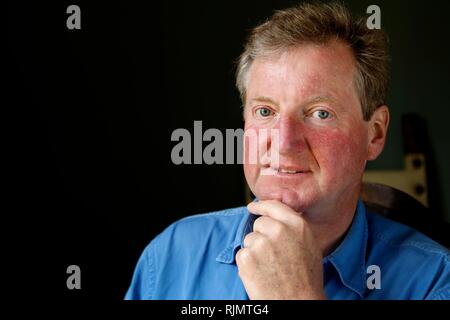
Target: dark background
[89, 115]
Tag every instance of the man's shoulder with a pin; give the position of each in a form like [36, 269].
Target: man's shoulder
[224, 215]
[218, 220]
[406, 248]
[409, 257]
[218, 225]
[395, 235]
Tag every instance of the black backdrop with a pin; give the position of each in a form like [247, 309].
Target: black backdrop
[89, 115]
[93, 112]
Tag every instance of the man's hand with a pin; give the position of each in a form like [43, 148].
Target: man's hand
[280, 258]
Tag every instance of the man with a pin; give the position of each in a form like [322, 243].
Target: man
[318, 78]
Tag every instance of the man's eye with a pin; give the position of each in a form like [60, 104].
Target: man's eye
[263, 112]
[321, 114]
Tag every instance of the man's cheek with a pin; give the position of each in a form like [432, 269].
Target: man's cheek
[334, 151]
[252, 149]
[251, 173]
[257, 145]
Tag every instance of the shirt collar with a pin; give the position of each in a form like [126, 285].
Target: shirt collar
[349, 258]
[227, 255]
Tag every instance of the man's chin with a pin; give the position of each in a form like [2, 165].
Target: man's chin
[289, 197]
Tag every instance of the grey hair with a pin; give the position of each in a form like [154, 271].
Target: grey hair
[320, 23]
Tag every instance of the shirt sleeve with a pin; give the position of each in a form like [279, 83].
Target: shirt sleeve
[142, 283]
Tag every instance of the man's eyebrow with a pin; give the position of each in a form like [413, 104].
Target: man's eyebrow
[317, 99]
[263, 99]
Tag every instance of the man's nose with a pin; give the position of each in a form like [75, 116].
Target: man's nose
[291, 135]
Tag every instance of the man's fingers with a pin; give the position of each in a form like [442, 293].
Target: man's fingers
[274, 209]
[244, 259]
[267, 226]
[252, 239]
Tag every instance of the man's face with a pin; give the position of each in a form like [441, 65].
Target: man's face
[308, 94]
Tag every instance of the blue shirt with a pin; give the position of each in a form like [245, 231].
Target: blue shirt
[194, 258]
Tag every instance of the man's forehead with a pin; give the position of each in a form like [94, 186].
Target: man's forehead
[317, 72]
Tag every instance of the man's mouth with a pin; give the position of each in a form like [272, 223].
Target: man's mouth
[288, 171]
[283, 171]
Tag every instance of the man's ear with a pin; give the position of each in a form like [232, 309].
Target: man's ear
[378, 126]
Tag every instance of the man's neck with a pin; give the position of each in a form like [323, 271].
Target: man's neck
[330, 231]
[330, 238]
